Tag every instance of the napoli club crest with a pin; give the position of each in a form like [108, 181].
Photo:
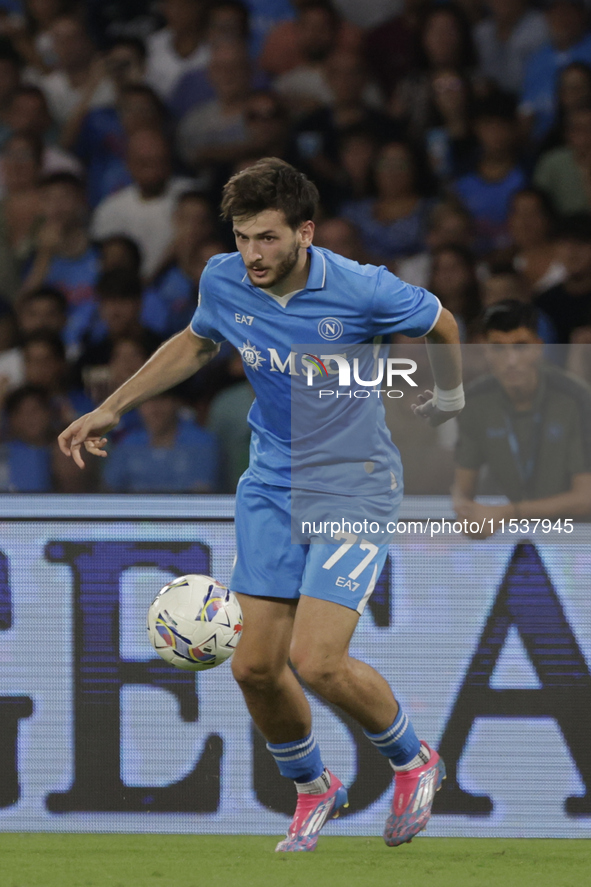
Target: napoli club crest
[330, 328]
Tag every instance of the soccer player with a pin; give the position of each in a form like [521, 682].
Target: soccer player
[275, 291]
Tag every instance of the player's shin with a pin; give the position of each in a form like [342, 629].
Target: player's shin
[399, 744]
[301, 761]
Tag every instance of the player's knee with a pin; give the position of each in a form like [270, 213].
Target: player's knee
[253, 675]
[319, 673]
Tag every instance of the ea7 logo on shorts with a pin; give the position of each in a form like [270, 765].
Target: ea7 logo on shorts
[343, 582]
[330, 328]
[244, 318]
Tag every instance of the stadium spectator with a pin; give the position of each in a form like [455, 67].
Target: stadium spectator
[449, 224]
[310, 37]
[29, 114]
[569, 42]
[32, 34]
[64, 256]
[454, 281]
[46, 367]
[42, 310]
[97, 134]
[20, 207]
[126, 61]
[486, 191]
[506, 38]
[445, 44]
[214, 132]
[564, 173]
[528, 424]
[127, 356]
[11, 359]
[179, 47]
[170, 453]
[227, 20]
[10, 74]
[317, 137]
[170, 300]
[227, 28]
[117, 316]
[227, 420]
[392, 47]
[26, 456]
[358, 150]
[568, 304]
[532, 223]
[305, 86]
[266, 123]
[119, 251]
[341, 237]
[108, 21]
[450, 142]
[393, 224]
[144, 209]
[102, 136]
[573, 93]
[79, 75]
[503, 282]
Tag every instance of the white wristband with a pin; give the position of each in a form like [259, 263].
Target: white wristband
[451, 400]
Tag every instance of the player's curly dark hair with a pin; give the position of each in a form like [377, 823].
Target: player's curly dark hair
[270, 183]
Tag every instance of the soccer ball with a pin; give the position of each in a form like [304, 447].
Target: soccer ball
[195, 623]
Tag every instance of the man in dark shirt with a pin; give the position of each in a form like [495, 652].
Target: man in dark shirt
[528, 423]
[317, 137]
[569, 304]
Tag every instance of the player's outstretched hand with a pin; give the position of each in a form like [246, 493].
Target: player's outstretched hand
[87, 431]
[427, 409]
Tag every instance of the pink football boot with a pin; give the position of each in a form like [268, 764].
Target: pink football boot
[414, 791]
[311, 813]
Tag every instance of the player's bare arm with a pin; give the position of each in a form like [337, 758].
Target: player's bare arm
[175, 360]
[443, 348]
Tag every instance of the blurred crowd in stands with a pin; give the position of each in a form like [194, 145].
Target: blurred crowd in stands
[450, 141]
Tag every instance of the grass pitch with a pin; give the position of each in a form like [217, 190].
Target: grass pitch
[60, 860]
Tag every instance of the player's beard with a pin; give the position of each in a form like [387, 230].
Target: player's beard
[283, 270]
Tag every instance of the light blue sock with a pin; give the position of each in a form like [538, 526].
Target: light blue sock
[399, 742]
[299, 760]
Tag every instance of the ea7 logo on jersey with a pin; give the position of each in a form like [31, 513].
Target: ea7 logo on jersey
[244, 318]
[251, 356]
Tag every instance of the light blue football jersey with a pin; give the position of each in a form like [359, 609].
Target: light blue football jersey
[300, 440]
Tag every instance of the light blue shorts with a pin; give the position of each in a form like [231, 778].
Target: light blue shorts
[269, 564]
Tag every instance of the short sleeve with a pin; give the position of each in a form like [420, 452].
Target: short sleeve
[399, 307]
[204, 322]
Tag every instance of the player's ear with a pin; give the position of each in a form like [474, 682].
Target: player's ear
[306, 233]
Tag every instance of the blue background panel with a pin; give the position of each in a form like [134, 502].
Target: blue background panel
[486, 643]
